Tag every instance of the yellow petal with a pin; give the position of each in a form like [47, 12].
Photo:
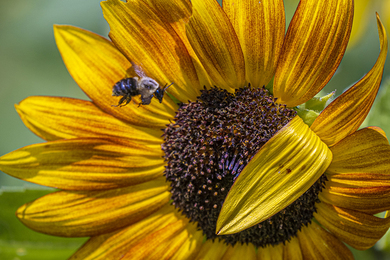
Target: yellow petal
[364, 151]
[359, 230]
[369, 193]
[84, 164]
[313, 48]
[191, 246]
[53, 118]
[260, 27]
[317, 243]
[212, 250]
[152, 44]
[240, 251]
[96, 65]
[292, 250]
[161, 244]
[271, 253]
[216, 44]
[177, 13]
[360, 180]
[89, 213]
[283, 169]
[346, 113]
[115, 244]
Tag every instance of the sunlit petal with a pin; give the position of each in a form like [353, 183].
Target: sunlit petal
[96, 65]
[216, 44]
[115, 244]
[317, 243]
[313, 48]
[346, 113]
[84, 164]
[283, 169]
[369, 193]
[260, 27]
[152, 44]
[53, 118]
[357, 229]
[89, 213]
[365, 151]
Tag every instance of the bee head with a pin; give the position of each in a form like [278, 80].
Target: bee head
[159, 94]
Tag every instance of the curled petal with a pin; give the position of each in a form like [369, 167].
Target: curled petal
[317, 243]
[364, 151]
[53, 118]
[89, 213]
[313, 48]
[216, 44]
[260, 27]
[359, 230]
[84, 164]
[96, 65]
[346, 113]
[151, 43]
[281, 171]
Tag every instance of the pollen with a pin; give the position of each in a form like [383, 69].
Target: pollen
[207, 146]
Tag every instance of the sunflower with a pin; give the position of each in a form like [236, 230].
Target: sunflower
[222, 168]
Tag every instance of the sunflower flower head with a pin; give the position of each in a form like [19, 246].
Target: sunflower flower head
[220, 167]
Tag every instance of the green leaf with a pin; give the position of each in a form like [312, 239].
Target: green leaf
[19, 242]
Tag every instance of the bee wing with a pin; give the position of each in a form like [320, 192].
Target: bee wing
[138, 70]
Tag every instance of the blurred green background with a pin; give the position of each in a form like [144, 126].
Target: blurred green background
[30, 64]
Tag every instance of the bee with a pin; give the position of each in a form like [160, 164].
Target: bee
[141, 85]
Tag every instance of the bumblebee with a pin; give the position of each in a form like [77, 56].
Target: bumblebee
[142, 85]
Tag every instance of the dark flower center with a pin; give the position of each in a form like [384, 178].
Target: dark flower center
[208, 145]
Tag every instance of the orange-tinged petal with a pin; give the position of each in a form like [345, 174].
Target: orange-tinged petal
[359, 230]
[344, 191]
[96, 65]
[283, 169]
[53, 118]
[84, 164]
[313, 48]
[216, 44]
[359, 180]
[364, 151]
[152, 44]
[161, 244]
[89, 213]
[239, 251]
[212, 250]
[270, 253]
[177, 13]
[346, 113]
[115, 244]
[260, 27]
[317, 243]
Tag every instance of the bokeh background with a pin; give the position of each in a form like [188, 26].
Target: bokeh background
[30, 64]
